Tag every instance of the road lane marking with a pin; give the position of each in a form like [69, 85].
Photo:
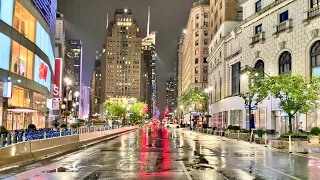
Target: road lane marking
[282, 173]
[186, 171]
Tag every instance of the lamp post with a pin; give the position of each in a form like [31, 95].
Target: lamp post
[68, 83]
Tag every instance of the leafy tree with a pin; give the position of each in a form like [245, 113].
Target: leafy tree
[117, 110]
[256, 90]
[137, 111]
[195, 97]
[295, 94]
[66, 113]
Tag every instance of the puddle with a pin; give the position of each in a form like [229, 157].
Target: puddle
[59, 169]
[203, 167]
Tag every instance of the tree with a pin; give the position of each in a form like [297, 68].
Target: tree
[138, 113]
[295, 93]
[256, 90]
[117, 110]
[196, 98]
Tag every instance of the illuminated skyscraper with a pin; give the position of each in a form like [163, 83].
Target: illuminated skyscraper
[122, 62]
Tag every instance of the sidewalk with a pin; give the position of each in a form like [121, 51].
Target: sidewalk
[314, 150]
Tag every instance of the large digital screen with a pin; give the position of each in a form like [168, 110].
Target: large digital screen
[6, 11]
[5, 46]
[42, 74]
[44, 43]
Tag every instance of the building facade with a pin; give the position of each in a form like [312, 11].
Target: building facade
[148, 73]
[195, 48]
[122, 64]
[96, 84]
[27, 65]
[170, 99]
[277, 36]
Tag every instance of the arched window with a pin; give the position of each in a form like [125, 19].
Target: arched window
[259, 65]
[315, 59]
[285, 62]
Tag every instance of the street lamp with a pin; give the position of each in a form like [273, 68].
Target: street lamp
[68, 82]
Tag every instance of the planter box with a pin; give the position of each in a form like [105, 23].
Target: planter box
[298, 146]
[314, 140]
[242, 136]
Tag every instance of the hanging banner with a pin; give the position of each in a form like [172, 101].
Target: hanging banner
[57, 79]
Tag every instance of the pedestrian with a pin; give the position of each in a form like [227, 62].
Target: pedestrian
[300, 127]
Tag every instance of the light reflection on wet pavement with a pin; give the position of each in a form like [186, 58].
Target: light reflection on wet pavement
[152, 153]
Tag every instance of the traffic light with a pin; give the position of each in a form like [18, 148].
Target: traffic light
[166, 112]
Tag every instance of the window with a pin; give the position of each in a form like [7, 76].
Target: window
[205, 51]
[240, 15]
[205, 79]
[258, 29]
[285, 62]
[22, 60]
[206, 24]
[196, 61]
[197, 42]
[284, 16]
[197, 16]
[216, 15]
[24, 22]
[315, 59]
[259, 65]
[220, 5]
[197, 33]
[206, 41]
[205, 60]
[206, 15]
[236, 78]
[197, 25]
[196, 80]
[205, 70]
[315, 3]
[196, 71]
[206, 32]
[258, 6]
[196, 52]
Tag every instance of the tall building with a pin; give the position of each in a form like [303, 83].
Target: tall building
[223, 16]
[96, 84]
[170, 99]
[27, 65]
[60, 37]
[74, 62]
[195, 47]
[122, 63]
[180, 60]
[148, 73]
[277, 37]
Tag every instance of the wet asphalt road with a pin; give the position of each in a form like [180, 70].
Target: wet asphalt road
[171, 154]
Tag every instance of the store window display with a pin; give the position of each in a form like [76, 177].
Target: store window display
[22, 60]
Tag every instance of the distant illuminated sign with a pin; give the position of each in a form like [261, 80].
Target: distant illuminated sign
[57, 78]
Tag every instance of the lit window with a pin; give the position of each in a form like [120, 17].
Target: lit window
[22, 60]
[24, 22]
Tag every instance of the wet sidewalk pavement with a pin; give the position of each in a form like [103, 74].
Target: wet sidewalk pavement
[171, 154]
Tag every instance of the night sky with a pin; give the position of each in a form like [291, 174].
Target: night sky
[86, 20]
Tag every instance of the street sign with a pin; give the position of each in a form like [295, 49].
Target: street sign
[252, 107]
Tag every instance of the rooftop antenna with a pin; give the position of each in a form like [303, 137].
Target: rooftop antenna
[107, 21]
[148, 26]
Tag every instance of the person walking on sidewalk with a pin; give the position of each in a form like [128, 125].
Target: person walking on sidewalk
[300, 128]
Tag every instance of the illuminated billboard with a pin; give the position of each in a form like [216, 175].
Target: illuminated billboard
[6, 11]
[57, 79]
[5, 47]
[42, 74]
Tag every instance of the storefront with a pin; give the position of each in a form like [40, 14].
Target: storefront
[24, 108]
